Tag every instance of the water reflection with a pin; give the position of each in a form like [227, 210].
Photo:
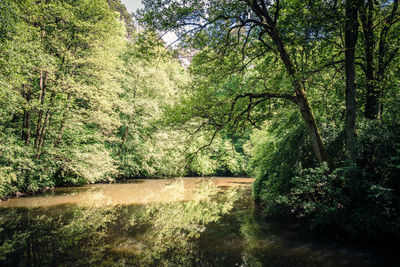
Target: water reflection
[214, 228]
[95, 233]
[73, 236]
[137, 191]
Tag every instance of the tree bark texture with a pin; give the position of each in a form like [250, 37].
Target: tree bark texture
[366, 15]
[351, 36]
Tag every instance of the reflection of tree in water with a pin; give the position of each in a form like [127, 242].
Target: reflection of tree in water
[172, 228]
[156, 234]
[71, 235]
[211, 230]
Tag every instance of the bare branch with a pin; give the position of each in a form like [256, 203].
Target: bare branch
[277, 8]
[264, 96]
[389, 22]
[326, 65]
[192, 155]
[260, 35]
[250, 106]
[246, 41]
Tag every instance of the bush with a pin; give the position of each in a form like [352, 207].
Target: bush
[342, 201]
[316, 195]
[86, 164]
[7, 181]
[20, 171]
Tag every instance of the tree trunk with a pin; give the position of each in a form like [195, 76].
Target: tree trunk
[26, 125]
[371, 101]
[313, 131]
[64, 119]
[46, 123]
[43, 130]
[26, 131]
[373, 105]
[302, 102]
[42, 137]
[42, 95]
[351, 36]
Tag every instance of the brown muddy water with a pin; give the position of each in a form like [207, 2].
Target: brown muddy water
[177, 222]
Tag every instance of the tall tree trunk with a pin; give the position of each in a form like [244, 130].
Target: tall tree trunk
[302, 102]
[64, 119]
[269, 26]
[371, 101]
[373, 106]
[42, 95]
[351, 36]
[46, 123]
[26, 125]
[26, 132]
[312, 128]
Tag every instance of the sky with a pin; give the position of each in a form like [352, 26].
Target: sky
[132, 5]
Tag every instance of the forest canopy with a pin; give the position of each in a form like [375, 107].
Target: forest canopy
[82, 95]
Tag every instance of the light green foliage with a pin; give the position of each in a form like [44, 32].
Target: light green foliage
[7, 178]
[150, 144]
[273, 156]
[58, 89]
[88, 164]
[19, 169]
[149, 84]
[221, 157]
[81, 103]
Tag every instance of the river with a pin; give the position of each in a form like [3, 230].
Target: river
[177, 222]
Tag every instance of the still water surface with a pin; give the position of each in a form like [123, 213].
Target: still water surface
[179, 222]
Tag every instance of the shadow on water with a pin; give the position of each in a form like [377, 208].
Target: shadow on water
[206, 226]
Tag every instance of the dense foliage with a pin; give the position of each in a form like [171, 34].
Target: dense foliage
[82, 98]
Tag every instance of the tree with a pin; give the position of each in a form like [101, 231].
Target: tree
[258, 29]
[59, 89]
[124, 16]
[350, 39]
[380, 30]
